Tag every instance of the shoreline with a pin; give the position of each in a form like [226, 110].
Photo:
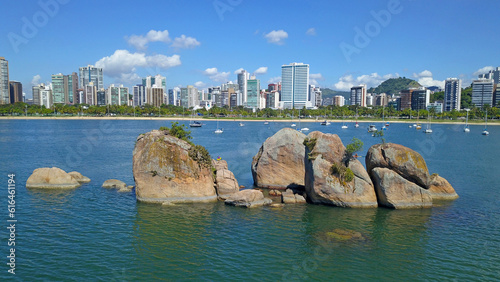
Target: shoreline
[237, 119]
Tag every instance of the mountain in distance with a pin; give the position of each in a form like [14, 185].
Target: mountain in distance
[394, 85]
[329, 93]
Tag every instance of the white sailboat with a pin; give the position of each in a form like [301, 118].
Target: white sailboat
[302, 129]
[343, 123]
[218, 130]
[356, 124]
[466, 128]
[383, 118]
[428, 129]
[485, 131]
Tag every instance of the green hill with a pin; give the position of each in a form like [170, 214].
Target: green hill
[394, 85]
[329, 93]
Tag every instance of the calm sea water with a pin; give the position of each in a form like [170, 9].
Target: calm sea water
[92, 233]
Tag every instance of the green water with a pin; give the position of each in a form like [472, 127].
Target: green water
[92, 233]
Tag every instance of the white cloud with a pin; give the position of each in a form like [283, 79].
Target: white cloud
[275, 79]
[371, 80]
[216, 76]
[425, 79]
[140, 42]
[36, 80]
[311, 31]
[261, 70]
[315, 77]
[184, 42]
[483, 70]
[200, 84]
[238, 70]
[276, 37]
[123, 64]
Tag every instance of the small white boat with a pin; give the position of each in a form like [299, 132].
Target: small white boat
[372, 128]
[410, 126]
[304, 129]
[485, 131]
[343, 123]
[356, 125]
[242, 124]
[344, 126]
[428, 130]
[293, 125]
[325, 122]
[218, 130]
[466, 128]
[266, 122]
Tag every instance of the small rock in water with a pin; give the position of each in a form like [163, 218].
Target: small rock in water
[242, 186]
[344, 235]
[274, 193]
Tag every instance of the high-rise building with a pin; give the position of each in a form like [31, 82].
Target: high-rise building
[253, 93]
[482, 92]
[497, 96]
[117, 95]
[91, 94]
[405, 100]
[315, 95]
[139, 95]
[16, 91]
[45, 96]
[4, 81]
[273, 99]
[452, 94]
[64, 88]
[492, 74]
[91, 74]
[381, 100]
[420, 98]
[339, 100]
[243, 77]
[36, 94]
[157, 96]
[173, 96]
[101, 97]
[358, 95]
[157, 81]
[295, 86]
[369, 100]
[189, 97]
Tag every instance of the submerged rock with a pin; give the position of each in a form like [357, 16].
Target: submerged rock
[329, 181]
[279, 163]
[248, 198]
[79, 177]
[114, 183]
[344, 235]
[51, 178]
[168, 169]
[289, 197]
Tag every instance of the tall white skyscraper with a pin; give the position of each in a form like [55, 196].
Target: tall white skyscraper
[91, 74]
[4, 81]
[452, 94]
[492, 74]
[358, 95]
[243, 77]
[295, 86]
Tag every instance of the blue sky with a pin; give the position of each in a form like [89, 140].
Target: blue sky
[203, 43]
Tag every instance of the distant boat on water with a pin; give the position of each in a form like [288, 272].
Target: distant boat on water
[485, 131]
[466, 128]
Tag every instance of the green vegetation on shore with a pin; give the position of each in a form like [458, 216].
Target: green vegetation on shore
[322, 113]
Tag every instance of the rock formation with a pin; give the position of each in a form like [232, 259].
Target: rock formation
[114, 183]
[329, 181]
[402, 179]
[168, 169]
[248, 198]
[279, 164]
[226, 183]
[289, 197]
[79, 177]
[51, 178]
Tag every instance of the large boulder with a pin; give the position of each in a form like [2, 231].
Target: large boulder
[279, 164]
[402, 179]
[225, 181]
[441, 189]
[329, 181]
[248, 198]
[168, 169]
[403, 160]
[79, 177]
[396, 192]
[51, 178]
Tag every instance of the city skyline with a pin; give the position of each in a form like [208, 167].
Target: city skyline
[345, 44]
